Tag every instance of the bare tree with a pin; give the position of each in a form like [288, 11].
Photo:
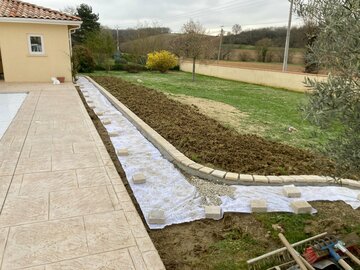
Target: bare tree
[236, 29]
[192, 43]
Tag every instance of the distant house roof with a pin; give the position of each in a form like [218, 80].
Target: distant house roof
[14, 9]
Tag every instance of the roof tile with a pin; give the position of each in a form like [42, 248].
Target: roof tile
[19, 9]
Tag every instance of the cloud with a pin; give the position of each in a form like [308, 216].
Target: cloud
[211, 13]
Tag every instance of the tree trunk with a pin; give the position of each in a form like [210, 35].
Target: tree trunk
[193, 72]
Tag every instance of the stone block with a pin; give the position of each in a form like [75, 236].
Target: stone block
[99, 113]
[92, 106]
[138, 178]
[218, 173]
[273, 179]
[301, 207]
[358, 197]
[186, 161]
[260, 179]
[287, 178]
[122, 152]
[89, 101]
[213, 212]
[86, 95]
[246, 178]
[206, 170]
[232, 176]
[196, 166]
[156, 217]
[291, 191]
[258, 206]
[106, 121]
[113, 133]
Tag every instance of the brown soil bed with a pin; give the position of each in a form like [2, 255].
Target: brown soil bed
[228, 243]
[206, 141]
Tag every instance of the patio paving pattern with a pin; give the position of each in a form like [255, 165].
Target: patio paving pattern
[63, 205]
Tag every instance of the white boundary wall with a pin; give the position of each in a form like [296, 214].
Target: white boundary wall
[287, 80]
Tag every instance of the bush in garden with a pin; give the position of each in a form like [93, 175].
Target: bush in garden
[161, 61]
[134, 68]
[82, 59]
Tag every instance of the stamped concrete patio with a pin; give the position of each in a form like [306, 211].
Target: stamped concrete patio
[63, 205]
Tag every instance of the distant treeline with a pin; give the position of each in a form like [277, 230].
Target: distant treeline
[298, 37]
[133, 34]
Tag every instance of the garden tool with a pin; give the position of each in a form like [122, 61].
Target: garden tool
[328, 244]
[304, 265]
[341, 246]
[281, 255]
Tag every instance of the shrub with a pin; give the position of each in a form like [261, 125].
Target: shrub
[118, 67]
[134, 68]
[82, 59]
[263, 46]
[161, 61]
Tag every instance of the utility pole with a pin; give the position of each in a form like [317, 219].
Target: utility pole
[221, 37]
[286, 52]
[117, 39]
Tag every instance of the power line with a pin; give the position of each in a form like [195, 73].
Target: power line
[205, 12]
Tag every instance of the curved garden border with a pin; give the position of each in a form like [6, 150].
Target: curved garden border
[196, 169]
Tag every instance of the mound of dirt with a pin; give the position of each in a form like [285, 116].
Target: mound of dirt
[206, 141]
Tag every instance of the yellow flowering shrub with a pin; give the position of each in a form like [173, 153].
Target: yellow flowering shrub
[161, 61]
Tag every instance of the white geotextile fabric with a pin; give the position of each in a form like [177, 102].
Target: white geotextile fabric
[166, 188]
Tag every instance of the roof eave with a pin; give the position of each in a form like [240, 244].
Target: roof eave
[40, 21]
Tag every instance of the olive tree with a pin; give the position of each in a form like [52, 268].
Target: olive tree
[336, 102]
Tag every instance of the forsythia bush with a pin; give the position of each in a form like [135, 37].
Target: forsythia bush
[161, 61]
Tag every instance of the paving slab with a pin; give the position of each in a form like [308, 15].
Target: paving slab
[64, 204]
[213, 212]
[301, 207]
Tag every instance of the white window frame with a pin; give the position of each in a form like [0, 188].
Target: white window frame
[42, 44]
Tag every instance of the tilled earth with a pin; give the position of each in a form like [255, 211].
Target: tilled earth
[206, 141]
[228, 243]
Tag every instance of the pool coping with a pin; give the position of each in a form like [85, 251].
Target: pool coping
[218, 176]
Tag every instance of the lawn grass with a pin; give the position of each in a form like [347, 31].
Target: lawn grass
[269, 110]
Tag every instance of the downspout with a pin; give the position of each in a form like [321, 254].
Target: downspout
[71, 31]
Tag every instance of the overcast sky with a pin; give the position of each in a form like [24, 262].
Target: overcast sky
[211, 13]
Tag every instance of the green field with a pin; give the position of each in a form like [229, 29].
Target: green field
[269, 110]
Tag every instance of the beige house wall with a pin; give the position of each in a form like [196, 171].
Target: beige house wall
[286, 80]
[20, 66]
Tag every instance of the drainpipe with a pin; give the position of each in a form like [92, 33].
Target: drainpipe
[71, 31]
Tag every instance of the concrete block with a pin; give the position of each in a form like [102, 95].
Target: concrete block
[287, 179]
[353, 183]
[156, 217]
[218, 173]
[301, 207]
[89, 101]
[206, 170]
[246, 178]
[213, 212]
[186, 161]
[258, 206]
[138, 178]
[99, 113]
[86, 95]
[196, 166]
[291, 191]
[106, 121]
[122, 152]
[92, 106]
[358, 197]
[113, 133]
[273, 179]
[232, 176]
[260, 179]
